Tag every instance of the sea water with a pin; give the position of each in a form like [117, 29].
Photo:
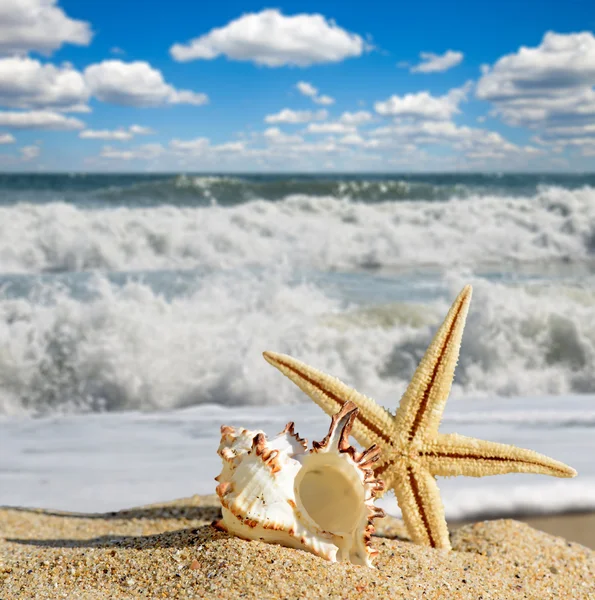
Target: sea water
[134, 311]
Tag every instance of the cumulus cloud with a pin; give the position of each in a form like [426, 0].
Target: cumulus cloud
[296, 116]
[330, 128]
[135, 84]
[38, 119]
[307, 89]
[229, 147]
[437, 63]
[423, 105]
[177, 152]
[121, 134]
[547, 87]
[275, 136]
[352, 139]
[140, 130]
[29, 152]
[38, 25]
[272, 39]
[324, 99]
[355, 118]
[27, 83]
[561, 61]
[6, 138]
[194, 146]
[201, 146]
[143, 152]
[474, 143]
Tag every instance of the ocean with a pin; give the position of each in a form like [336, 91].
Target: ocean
[134, 310]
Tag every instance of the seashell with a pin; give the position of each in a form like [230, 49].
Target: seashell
[320, 500]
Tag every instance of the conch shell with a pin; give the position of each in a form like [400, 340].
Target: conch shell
[320, 500]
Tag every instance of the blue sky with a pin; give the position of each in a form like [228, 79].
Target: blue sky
[325, 86]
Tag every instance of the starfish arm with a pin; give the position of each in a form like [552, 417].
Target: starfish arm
[374, 424]
[455, 454]
[423, 402]
[419, 499]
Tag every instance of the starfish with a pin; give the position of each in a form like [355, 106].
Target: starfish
[413, 452]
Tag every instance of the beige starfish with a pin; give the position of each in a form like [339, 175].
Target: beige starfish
[413, 452]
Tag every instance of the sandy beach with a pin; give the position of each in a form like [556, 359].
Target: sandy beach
[172, 551]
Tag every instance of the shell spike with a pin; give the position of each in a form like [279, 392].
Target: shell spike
[338, 434]
[370, 456]
[290, 431]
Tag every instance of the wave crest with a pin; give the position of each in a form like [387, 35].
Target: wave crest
[130, 347]
[312, 232]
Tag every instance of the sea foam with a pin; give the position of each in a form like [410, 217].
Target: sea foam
[130, 347]
[322, 232]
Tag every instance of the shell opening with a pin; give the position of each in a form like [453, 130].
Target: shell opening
[330, 493]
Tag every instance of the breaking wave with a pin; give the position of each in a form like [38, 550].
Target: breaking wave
[317, 232]
[131, 347]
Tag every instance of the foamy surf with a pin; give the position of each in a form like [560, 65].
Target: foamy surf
[131, 347]
[322, 232]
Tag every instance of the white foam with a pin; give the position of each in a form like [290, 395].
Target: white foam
[129, 347]
[321, 232]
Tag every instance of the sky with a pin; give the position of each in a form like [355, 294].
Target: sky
[325, 86]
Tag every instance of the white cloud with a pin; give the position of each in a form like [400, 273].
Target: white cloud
[27, 83]
[201, 146]
[474, 143]
[135, 84]
[437, 63]
[547, 87]
[324, 100]
[352, 139]
[143, 152]
[307, 89]
[141, 130]
[39, 119]
[296, 116]
[423, 105]
[38, 25]
[330, 128]
[275, 136]
[355, 118]
[229, 147]
[121, 135]
[269, 38]
[570, 132]
[195, 146]
[29, 152]
[6, 138]
[560, 62]
[324, 147]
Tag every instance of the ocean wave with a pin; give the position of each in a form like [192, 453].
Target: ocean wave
[138, 190]
[323, 233]
[131, 348]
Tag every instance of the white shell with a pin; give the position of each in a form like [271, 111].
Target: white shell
[321, 500]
